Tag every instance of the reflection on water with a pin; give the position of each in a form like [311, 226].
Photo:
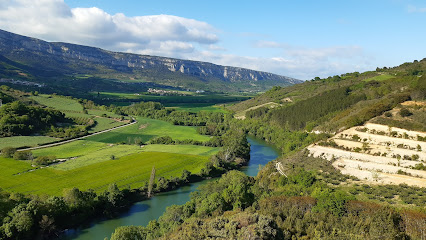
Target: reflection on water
[143, 212]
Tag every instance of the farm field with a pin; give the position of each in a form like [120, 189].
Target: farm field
[184, 149]
[197, 107]
[377, 154]
[83, 153]
[24, 141]
[60, 103]
[129, 171]
[146, 129]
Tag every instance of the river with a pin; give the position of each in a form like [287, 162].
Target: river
[143, 212]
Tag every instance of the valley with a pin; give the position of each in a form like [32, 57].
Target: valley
[97, 133]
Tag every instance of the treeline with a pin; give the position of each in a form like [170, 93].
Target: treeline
[17, 118]
[295, 207]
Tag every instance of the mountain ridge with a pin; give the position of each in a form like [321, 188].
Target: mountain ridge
[64, 56]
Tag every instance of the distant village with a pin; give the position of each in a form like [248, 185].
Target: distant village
[169, 92]
[20, 82]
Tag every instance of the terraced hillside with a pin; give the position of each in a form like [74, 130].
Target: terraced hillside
[377, 153]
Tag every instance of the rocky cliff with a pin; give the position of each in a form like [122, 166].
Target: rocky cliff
[72, 58]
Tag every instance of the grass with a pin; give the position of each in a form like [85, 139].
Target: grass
[72, 149]
[24, 141]
[98, 155]
[129, 171]
[183, 149]
[382, 77]
[104, 123]
[60, 103]
[197, 107]
[146, 129]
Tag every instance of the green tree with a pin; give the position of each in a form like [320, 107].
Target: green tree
[151, 181]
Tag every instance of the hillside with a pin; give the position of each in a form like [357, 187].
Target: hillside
[339, 102]
[88, 68]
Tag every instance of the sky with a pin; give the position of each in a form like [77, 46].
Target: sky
[301, 39]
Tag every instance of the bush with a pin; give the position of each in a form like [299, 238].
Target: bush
[44, 160]
[405, 112]
[8, 152]
[388, 114]
[23, 155]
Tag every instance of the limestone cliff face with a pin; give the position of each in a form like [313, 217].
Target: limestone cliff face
[14, 45]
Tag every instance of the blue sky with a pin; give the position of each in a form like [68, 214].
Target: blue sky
[301, 39]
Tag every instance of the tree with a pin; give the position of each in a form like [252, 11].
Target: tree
[151, 181]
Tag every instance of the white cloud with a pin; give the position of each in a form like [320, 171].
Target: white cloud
[170, 36]
[53, 20]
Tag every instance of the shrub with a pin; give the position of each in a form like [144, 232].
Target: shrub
[23, 155]
[405, 112]
[8, 152]
[44, 160]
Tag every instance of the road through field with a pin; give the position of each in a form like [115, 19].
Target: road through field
[79, 138]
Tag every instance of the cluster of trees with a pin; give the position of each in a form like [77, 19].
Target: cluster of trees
[17, 118]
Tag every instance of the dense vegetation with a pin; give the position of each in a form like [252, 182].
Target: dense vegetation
[17, 118]
[299, 206]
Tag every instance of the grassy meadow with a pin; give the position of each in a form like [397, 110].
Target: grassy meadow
[60, 103]
[24, 141]
[128, 171]
[146, 129]
[197, 107]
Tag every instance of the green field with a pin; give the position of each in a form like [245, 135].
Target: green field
[85, 153]
[146, 129]
[183, 149]
[196, 107]
[104, 123]
[129, 171]
[60, 103]
[24, 141]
